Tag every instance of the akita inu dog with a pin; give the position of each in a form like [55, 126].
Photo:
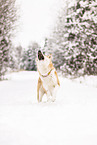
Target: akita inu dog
[48, 81]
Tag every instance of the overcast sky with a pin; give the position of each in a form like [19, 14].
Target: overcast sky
[37, 20]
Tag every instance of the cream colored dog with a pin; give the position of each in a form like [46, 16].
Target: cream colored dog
[48, 81]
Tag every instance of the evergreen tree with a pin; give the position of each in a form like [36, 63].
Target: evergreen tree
[29, 56]
[76, 38]
[18, 56]
[15, 59]
[82, 36]
[7, 19]
[56, 43]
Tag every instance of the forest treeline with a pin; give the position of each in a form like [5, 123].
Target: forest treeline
[73, 42]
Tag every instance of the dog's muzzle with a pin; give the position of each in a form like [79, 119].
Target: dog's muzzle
[40, 55]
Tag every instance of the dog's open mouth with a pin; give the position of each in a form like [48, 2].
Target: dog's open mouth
[40, 55]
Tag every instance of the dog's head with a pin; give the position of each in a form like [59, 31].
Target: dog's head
[40, 55]
[43, 60]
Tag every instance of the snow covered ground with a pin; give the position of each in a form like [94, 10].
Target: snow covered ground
[70, 120]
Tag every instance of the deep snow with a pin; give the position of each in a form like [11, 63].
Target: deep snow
[70, 120]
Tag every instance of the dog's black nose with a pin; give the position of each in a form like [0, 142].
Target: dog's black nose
[40, 55]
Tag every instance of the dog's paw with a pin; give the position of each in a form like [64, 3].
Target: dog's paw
[53, 99]
[48, 100]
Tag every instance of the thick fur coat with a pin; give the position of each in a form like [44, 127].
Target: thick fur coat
[48, 81]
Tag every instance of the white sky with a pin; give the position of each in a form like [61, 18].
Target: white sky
[37, 20]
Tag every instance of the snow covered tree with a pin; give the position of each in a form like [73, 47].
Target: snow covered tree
[47, 46]
[81, 24]
[29, 56]
[57, 39]
[18, 55]
[7, 19]
[75, 38]
[15, 59]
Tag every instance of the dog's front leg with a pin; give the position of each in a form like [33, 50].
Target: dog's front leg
[40, 90]
[41, 93]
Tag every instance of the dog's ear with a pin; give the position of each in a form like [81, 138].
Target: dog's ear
[50, 56]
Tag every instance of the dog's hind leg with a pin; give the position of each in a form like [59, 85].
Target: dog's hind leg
[54, 92]
[48, 96]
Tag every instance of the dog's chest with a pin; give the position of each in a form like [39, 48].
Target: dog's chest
[50, 80]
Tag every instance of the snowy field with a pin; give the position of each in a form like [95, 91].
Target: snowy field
[70, 120]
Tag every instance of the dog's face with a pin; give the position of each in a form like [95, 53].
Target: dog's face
[43, 60]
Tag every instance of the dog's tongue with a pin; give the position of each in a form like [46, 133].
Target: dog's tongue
[40, 55]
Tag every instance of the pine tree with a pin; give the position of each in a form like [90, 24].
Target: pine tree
[82, 35]
[57, 39]
[7, 19]
[29, 56]
[76, 38]
[15, 58]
